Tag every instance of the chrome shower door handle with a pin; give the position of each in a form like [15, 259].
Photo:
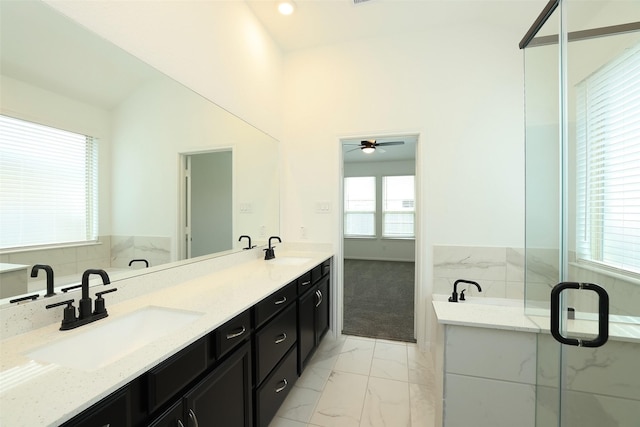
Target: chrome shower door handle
[603, 314]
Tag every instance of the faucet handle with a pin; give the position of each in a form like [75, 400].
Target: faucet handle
[99, 307]
[69, 316]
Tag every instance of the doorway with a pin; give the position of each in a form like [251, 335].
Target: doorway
[207, 202]
[379, 237]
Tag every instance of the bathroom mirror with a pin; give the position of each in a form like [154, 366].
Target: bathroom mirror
[57, 73]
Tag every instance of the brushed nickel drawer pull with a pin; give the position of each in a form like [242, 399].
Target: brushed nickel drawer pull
[192, 416]
[236, 334]
[306, 283]
[180, 423]
[284, 381]
[281, 338]
[281, 301]
[319, 295]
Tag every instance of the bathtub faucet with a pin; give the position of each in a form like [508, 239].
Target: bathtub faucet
[454, 295]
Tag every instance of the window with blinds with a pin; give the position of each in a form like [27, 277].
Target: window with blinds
[608, 164]
[48, 185]
[360, 206]
[398, 206]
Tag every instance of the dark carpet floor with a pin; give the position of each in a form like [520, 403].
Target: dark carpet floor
[379, 299]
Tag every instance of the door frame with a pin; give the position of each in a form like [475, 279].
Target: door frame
[184, 196]
[419, 308]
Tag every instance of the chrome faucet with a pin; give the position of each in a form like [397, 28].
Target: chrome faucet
[49, 271]
[249, 245]
[454, 295]
[269, 252]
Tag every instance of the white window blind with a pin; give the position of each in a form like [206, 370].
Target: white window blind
[398, 206]
[48, 185]
[608, 155]
[360, 206]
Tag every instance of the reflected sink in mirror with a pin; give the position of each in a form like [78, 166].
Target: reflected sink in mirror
[99, 346]
[288, 260]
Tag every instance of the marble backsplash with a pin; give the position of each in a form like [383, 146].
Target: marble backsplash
[108, 252]
[156, 250]
[500, 272]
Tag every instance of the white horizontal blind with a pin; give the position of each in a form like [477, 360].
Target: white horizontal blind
[48, 185]
[398, 206]
[608, 154]
[360, 206]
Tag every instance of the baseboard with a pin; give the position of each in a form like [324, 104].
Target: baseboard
[378, 259]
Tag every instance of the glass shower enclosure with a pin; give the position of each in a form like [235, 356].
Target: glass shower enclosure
[582, 239]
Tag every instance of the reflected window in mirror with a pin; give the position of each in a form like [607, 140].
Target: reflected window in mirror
[49, 185]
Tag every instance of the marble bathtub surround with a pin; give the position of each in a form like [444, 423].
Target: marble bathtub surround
[156, 250]
[501, 369]
[500, 271]
[356, 381]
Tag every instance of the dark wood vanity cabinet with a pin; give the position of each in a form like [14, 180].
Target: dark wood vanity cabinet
[236, 376]
[222, 398]
[114, 410]
[313, 313]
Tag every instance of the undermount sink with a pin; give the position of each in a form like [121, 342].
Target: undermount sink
[288, 260]
[104, 344]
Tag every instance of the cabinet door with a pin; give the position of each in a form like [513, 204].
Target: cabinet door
[112, 411]
[306, 327]
[322, 308]
[172, 417]
[223, 398]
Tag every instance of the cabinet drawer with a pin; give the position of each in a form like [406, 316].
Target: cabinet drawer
[326, 267]
[175, 373]
[304, 283]
[274, 390]
[274, 303]
[273, 342]
[232, 333]
[113, 410]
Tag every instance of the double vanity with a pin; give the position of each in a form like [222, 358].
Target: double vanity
[219, 348]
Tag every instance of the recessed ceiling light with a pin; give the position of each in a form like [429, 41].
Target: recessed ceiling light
[286, 7]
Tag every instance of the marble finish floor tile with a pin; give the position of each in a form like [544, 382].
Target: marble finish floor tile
[390, 361]
[356, 356]
[341, 402]
[362, 382]
[387, 404]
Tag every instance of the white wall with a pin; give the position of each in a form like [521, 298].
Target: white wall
[458, 85]
[150, 129]
[217, 48]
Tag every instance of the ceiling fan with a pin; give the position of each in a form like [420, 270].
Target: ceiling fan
[369, 146]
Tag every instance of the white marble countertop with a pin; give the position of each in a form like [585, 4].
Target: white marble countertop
[508, 314]
[34, 393]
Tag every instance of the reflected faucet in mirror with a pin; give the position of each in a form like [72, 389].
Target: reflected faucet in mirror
[146, 263]
[47, 268]
[269, 253]
[249, 244]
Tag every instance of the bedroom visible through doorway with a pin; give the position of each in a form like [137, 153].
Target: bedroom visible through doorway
[379, 231]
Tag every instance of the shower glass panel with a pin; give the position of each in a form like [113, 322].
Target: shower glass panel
[582, 92]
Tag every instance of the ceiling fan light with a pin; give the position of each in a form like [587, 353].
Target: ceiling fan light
[368, 149]
[286, 7]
